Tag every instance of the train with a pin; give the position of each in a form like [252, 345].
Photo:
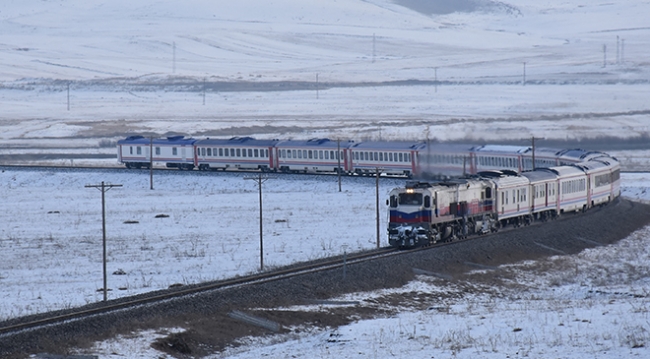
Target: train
[427, 212]
[414, 159]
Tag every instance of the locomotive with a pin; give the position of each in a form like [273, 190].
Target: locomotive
[424, 213]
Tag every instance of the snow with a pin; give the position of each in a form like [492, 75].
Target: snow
[121, 60]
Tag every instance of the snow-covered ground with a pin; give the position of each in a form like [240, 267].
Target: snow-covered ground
[51, 245]
[139, 67]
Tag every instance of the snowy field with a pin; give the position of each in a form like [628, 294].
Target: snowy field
[472, 70]
[51, 245]
[140, 67]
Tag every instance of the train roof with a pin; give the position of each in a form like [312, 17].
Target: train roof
[237, 142]
[544, 152]
[447, 147]
[565, 171]
[502, 149]
[398, 145]
[596, 164]
[314, 142]
[171, 140]
[578, 154]
[539, 175]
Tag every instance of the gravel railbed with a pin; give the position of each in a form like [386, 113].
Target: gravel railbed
[209, 328]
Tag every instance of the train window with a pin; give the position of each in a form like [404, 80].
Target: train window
[158, 150]
[203, 151]
[390, 156]
[381, 156]
[375, 156]
[400, 157]
[139, 150]
[221, 152]
[299, 154]
[393, 201]
[304, 154]
[232, 152]
[256, 153]
[293, 152]
[250, 152]
[266, 153]
[209, 151]
[427, 201]
[327, 155]
[174, 151]
[410, 199]
[503, 198]
[130, 150]
[238, 152]
[310, 154]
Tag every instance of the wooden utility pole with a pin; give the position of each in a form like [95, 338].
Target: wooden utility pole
[259, 179]
[104, 188]
[151, 162]
[533, 152]
[338, 156]
[377, 205]
[524, 81]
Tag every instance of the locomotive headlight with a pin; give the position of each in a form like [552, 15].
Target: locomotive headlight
[410, 190]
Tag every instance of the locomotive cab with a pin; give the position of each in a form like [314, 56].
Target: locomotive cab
[411, 211]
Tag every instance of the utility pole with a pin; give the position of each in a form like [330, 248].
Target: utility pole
[622, 51]
[435, 77]
[377, 205]
[617, 50]
[104, 188]
[151, 162]
[533, 152]
[373, 47]
[338, 156]
[260, 179]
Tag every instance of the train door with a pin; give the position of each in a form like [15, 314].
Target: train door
[272, 157]
[589, 190]
[546, 186]
[346, 162]
[413, 161]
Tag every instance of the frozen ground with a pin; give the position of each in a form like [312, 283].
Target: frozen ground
[51, 245]
[384, 71]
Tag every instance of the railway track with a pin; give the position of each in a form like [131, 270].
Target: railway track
[442, 258]
[51, 319]
[34, 322]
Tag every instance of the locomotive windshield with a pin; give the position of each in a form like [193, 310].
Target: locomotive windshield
[410, 199]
